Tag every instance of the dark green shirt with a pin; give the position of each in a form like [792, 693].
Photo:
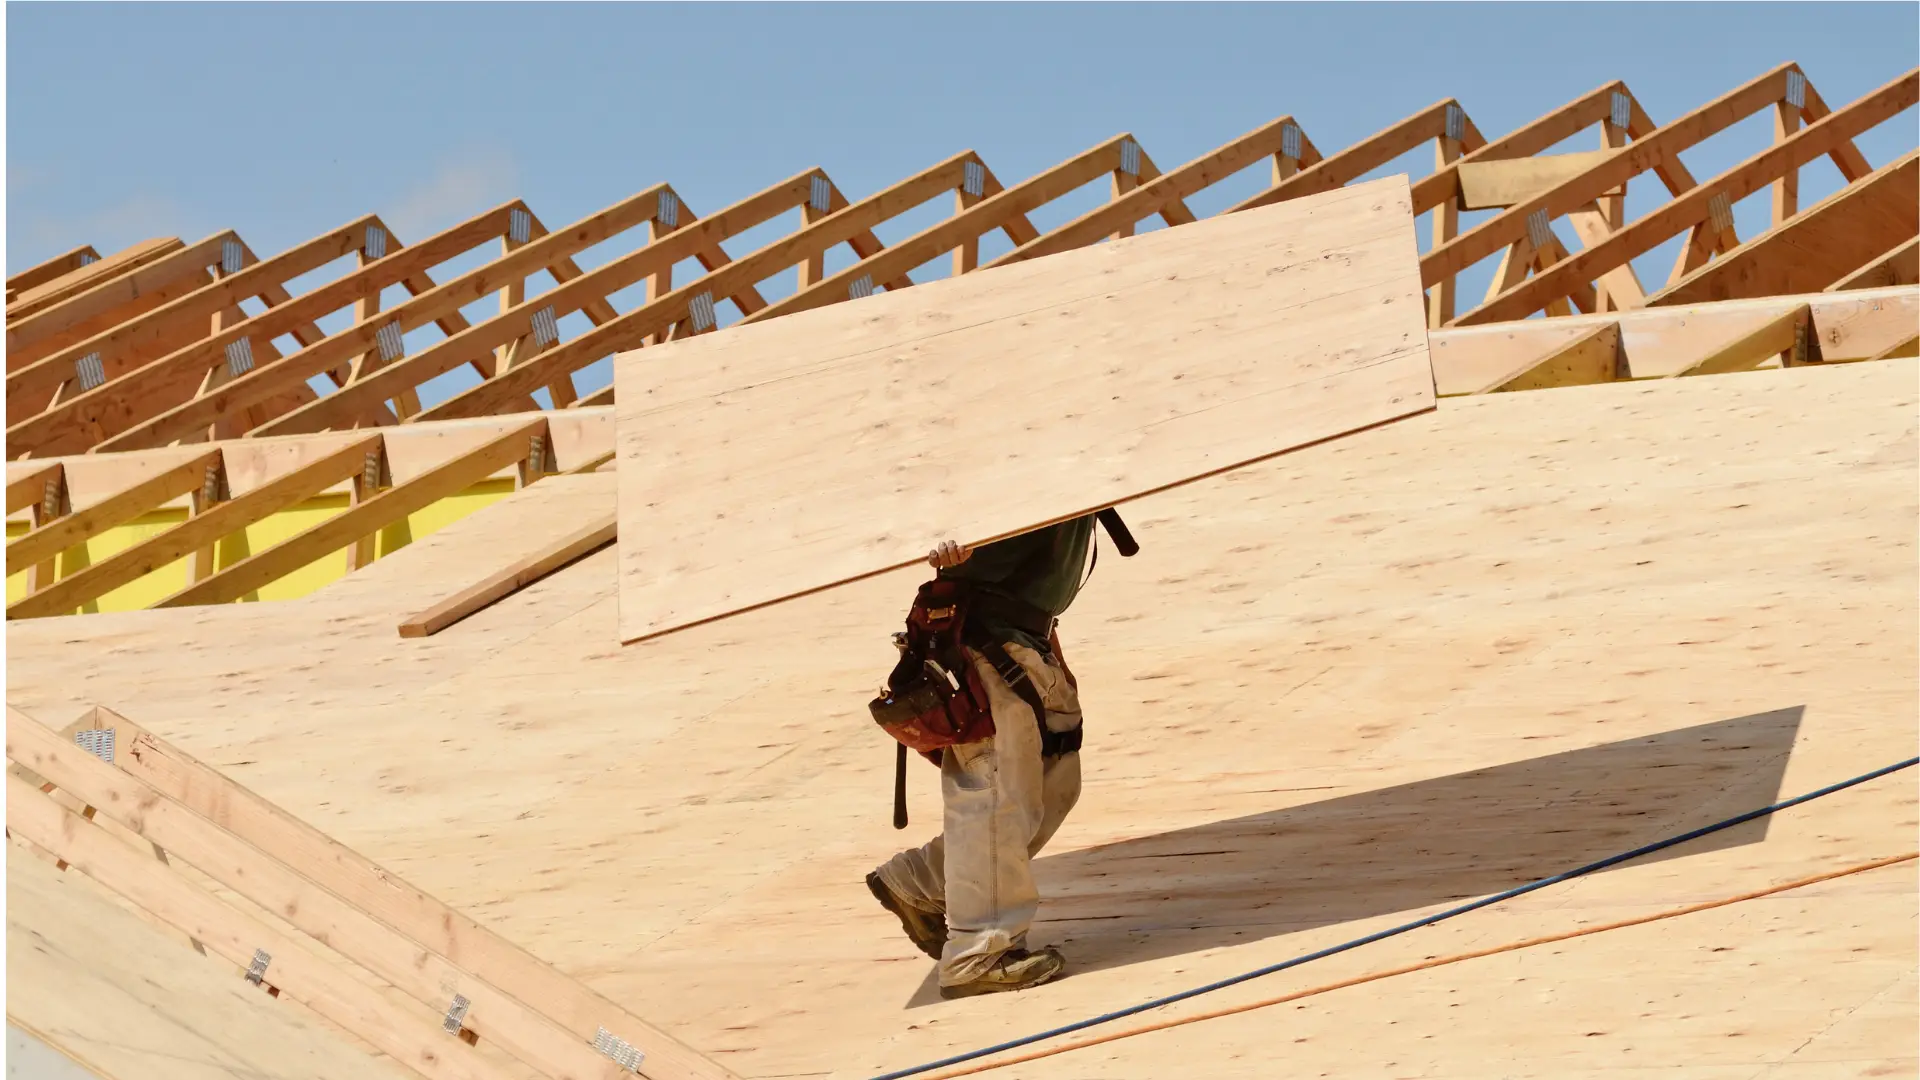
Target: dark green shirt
[1043, 568]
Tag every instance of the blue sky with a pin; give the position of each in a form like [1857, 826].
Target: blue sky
[283, 121]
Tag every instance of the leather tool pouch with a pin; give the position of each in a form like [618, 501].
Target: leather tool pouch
[933, 698]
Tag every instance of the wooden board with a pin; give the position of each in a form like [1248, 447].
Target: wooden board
[781, 458]
[113, 993]
[1815, 248]
[1500, 183]
[1335, 690]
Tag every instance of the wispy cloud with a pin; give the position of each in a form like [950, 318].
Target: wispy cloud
[463, 185]
[33, 235]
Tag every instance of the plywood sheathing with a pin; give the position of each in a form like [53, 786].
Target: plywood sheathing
[841, 442]
[1335, 690]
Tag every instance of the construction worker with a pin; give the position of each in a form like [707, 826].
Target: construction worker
[967, 897]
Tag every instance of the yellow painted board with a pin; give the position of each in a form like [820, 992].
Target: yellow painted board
[164, 582]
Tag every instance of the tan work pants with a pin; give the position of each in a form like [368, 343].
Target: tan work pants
[1003, 802]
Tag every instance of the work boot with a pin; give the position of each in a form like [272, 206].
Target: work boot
[1015, 969]
[927, 929]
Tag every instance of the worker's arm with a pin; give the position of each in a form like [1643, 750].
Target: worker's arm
[990, 562]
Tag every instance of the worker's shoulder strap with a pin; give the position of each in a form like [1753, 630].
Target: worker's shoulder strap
[1123, 540]
[1052, 743]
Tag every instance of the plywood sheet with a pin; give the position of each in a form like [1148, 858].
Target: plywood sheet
[776, 459]
[116, 995]
[1335, 690]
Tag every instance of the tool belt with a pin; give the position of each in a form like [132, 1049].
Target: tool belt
[934, 698]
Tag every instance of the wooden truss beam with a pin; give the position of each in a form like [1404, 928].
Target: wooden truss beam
[1165, 195]
[1783, 335]
[1443, 185]
[1006, 210]
[234, 485]
[111, 303]
[297, 971]
[138, 395]
[57, 536]
[1590, 357]
[200, 532]
[28, 487]
[1665, 341]
[578, 437]
[1367, 155]
[131, 343]
[1657, 148]
[374, 382]
[1702, 204]
[234, 864]
[1816, 247]
[93, 275]
[58, 266]
[362, 912]
[534, 319]
[364, 519]
[1898, 266]
[657, 317]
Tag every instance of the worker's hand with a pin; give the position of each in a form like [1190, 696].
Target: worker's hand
[948, 554]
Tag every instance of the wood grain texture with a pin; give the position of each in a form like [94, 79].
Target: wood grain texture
[1657, 342]
[1334, 691]
[1899, 266]
[774, 460]
[128, 1002]
[1498, 184]
[1816, 248]
[511, 578]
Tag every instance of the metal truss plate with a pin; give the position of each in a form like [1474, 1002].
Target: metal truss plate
[666, 209]
[1130, 157]
[519, 225]
[861, 287]
[456, 1015]
[1290, 141]
[231, 256]
[90, 371]
[96, 741]
[1538, 231]
[973, 179]
[88, 258]
[546, 330]
[1720, 212]
[213, 486]
[257, 970]
[1796, 90]
[701, 308]
[1621, 114]
[1456, 122]
[393, 344]
[820, 194]
[375, 244]
[239, 356]
[623, 1053]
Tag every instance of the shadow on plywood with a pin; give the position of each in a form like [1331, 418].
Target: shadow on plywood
[1409, 847]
